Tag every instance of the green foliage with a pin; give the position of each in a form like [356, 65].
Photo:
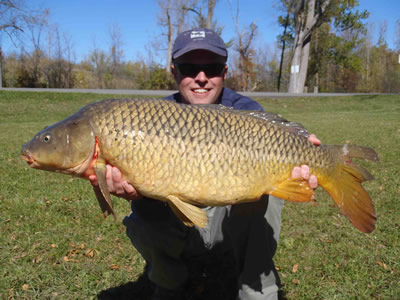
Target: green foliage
[334, 41]
[160, 79]
[56, 244]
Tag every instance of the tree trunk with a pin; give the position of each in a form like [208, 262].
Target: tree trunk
[211, 6]
[170, 39]
[305, 19]
[1, 68]
[283, 52]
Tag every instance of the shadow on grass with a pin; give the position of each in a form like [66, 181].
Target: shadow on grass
[141, 289]
[214, 280]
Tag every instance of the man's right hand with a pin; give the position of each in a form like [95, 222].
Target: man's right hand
[117, 185]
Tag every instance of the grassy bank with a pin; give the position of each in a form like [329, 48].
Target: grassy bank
[55, 243]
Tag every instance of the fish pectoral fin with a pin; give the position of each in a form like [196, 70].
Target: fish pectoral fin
[187, 213]
[102, 194]
[297, 190]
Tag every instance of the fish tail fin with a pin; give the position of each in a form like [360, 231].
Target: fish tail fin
[345, 187]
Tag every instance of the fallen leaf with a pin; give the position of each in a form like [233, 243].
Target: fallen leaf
[25, 287]
[67, 259]
[53, 245]
[295, 268]
[296, 281]
[90, 252]
[114, 267]
[383, 265]
[37, 260]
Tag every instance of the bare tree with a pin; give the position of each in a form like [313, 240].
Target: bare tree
[58, 68]
[116, 51]
[382, 34]
[172, 17]
[397, 35]
[210, 15]
[14, 17]
[35, 27]
[165, 20]
[243, 46]
[201, 20]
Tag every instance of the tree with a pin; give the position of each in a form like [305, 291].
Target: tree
[397, 36]
[284, 39]
[15, 17]
[172, 17]
[58, 68]
[244, 71]
[201, 20]
[307, 16]
[116, 51]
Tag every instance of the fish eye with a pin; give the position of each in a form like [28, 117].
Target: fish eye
[46, 138]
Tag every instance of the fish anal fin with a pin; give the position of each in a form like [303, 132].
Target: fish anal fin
[102, 193]
[187, 213]
[297, 190]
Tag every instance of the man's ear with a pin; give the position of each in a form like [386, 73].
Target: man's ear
[225, 72]
[174, 71]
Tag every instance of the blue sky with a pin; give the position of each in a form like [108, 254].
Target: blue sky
[88, 22]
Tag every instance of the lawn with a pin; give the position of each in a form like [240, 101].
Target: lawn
[55, 243]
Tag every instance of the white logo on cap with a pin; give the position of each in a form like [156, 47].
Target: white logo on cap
[197, 34]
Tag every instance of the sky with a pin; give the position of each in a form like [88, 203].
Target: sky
[88, 22]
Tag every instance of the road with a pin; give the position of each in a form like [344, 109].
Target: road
[163, 93]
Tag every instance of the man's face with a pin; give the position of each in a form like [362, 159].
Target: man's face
[201, 88]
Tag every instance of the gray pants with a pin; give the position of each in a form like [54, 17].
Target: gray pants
[250, 230]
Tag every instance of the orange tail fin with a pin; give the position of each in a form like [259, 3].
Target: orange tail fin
[346, 189]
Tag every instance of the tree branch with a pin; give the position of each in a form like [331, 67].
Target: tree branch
[5, 26]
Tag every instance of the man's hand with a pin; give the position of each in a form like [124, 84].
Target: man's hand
[117, 185]
[304, 171]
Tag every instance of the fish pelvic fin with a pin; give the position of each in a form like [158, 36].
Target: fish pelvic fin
[102, 193]
[189, 214]
[297, 190]
[347, 191]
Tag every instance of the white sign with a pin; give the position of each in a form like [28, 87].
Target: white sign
[294, 69]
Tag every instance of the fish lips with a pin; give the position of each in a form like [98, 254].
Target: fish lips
[26, 156]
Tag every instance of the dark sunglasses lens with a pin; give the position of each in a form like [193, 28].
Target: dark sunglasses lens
[191, 70]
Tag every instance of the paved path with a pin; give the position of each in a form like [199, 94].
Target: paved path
[163, 93]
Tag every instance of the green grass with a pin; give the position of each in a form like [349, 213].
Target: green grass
[55, 243]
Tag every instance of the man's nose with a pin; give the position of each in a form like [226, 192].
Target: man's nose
[201, 76]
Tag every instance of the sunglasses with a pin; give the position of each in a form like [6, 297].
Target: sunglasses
[191, 70]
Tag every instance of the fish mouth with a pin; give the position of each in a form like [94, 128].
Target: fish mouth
[29, 160]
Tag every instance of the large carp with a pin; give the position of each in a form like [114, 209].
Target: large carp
[191, 156]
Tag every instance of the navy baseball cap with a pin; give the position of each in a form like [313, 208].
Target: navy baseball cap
[199, 39]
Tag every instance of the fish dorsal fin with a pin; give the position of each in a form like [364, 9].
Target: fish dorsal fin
[187, 213]
[275, 119]
[280, 122]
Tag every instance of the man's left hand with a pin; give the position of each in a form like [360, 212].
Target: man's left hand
[304, 171]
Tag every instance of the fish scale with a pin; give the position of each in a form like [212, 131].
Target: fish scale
[194, 156]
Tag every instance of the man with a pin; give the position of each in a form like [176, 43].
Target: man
[248, 231]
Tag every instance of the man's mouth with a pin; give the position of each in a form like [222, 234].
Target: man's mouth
[200, 91]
